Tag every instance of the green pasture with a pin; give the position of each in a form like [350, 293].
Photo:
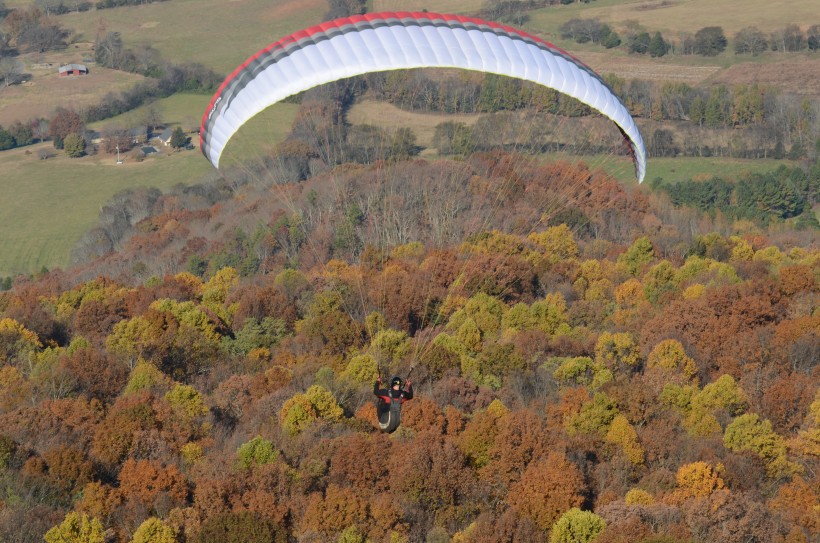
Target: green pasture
[183, 109]
[220, 34]
[57, 200]
[261, 134]
[672, 170]
[49, 204]
[464, 7]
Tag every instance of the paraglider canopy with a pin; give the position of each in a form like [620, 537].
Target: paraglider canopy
[402, 40]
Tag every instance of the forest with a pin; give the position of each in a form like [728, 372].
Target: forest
[590, 362]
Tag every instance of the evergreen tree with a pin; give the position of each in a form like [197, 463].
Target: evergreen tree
[657, 46]
[710, 41]
[6, 140]
[74, 145]
[178, 138]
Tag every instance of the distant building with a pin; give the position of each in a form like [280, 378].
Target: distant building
[73, 69]
[165, 136]
[138, 134]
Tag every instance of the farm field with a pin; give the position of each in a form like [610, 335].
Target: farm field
[672, 17]
[47, 91]
[183, 109]
[218, 34]
[386, 115]
[439, 6]
[60, 199]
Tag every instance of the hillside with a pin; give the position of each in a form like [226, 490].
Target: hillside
[629, 373]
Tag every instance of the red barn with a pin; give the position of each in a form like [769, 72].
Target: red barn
[73, 69]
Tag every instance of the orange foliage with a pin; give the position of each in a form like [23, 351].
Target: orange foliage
[146, 480]
[547, 489]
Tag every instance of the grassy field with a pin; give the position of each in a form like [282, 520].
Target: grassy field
[59, 199]
[386, 115]
[220, 34]
[45, 91]
[672, 17]
[438, 6]
[55, 201]
[672, 170]
[182, 109]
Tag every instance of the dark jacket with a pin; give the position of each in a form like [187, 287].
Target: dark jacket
[388, 394]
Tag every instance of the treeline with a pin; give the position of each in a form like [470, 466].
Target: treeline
[16, 135]
[709, 41]
[29, 30]
[773, 123]
[173, 79]
[762, 197]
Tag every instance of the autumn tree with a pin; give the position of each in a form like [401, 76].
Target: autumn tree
[65, 122]
[547, 489]
[153, 530]
[76, 528]
[240, 527]
[576, 526]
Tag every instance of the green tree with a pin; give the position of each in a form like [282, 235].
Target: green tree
[178, 138]
[186, 400]
[74, 145]
[453, 138]
[657, 46]
[710, 41]
[640, 253]
[6, 140]
[258, 451]
[576, 526]
[718, 109]
[76, 528]
[749, 433]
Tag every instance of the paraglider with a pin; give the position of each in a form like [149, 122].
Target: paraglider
[390, 400]
[376, 42]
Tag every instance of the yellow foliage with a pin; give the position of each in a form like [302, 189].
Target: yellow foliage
[741, 249]
[629, 293]
[153, 530]
[622, 433]
[670, 355]
[615, 350]
[637, 496]
[469, 335]
[191, 281]
[808, 441]
[16, 339]
[76, 528]
[770, 255]
[557, 242]
[697, 480]
[187, 400]
[145, 376]
[191, 453]
[414, 249]
[361, 368]
[693, 291]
